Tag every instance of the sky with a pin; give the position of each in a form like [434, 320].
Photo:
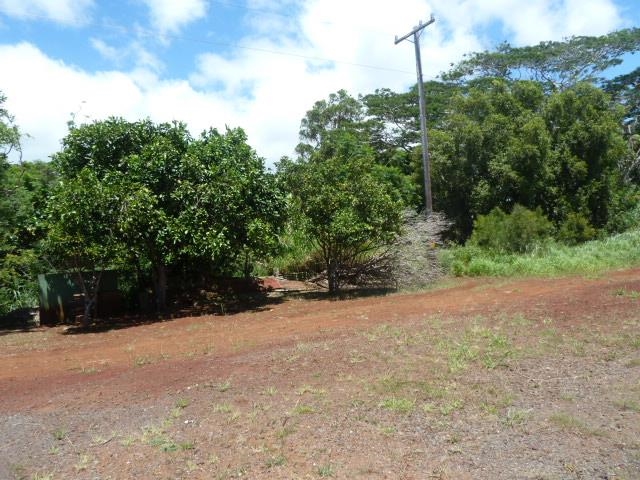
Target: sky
[255, 64]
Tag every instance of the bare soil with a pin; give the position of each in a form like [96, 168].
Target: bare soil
[478, 379]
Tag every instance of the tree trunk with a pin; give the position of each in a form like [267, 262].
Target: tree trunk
[160, 287]
[90, 290]
[332, 276]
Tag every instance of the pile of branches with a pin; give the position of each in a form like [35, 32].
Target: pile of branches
[413, 255]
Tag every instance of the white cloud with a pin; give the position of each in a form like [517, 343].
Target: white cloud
[45, 94]
[268, 93]
[67, 12]
[107, 51]
[169, 16]
[530, 22]
[142, 58]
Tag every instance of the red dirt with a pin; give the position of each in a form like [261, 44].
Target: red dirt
[52, 373]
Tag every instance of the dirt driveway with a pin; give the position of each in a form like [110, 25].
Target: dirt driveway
[533, 378]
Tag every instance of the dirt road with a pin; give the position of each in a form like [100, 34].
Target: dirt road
[532, 378]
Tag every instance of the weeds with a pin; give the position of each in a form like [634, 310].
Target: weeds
[42, 476]
[304, 410]
[516, 416]
[460, 355]
[142, 360]
[566, 421]
[222, 408]
[623, 292]
[326, 470]
[627, 404]
[285, 431]
[224, 386]
[388, 430]
[450, 407]
[270, 391]
[276, 461]
[60, 433]
[399, 405]
[83, 463]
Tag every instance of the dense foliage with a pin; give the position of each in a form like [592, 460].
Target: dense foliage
[23, 191]
[517, 232]
[341, 199]
[152, 197]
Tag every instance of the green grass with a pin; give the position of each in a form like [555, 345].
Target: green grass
[628, 404]
[399, 405]
[304, 410]
[276, 461]
[326, 470]
[566, 421]
[590, 258]
[515, 417]
[60, 433]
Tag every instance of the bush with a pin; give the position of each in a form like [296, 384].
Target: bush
[576, 229]
[516, 232]
[18, 284]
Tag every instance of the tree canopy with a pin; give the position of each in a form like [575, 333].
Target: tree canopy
[557, 65]
[169, 200]
[347, 206]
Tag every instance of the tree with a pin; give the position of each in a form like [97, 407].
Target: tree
[625, 89]
[557, 65]
[368, 122]
[587, 145]
[176, 200]
[346, 209]
[82, 236]
[23, 193]
[393, 121]
[9, 132]
[509, 143]
[340, 113]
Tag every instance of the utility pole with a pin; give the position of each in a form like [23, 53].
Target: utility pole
[423, 112]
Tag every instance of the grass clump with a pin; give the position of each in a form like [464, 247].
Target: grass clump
[546, 259]
[516, 416]
[399, 405]
[566, 421]
[276, 461]
[326, 470]
[304, 410]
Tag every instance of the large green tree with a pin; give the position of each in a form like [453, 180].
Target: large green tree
[555, 64]
[346, 202]
[346, 209]
[508, 143]
[626, 91]
[176, 200]
[83, 232]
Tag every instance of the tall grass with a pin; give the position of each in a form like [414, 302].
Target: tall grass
[297, 254]
[618, 251]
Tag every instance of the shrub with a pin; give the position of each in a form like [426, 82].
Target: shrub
[576, 229]
[516, 232]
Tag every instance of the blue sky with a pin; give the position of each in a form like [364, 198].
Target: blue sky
[256, 64]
